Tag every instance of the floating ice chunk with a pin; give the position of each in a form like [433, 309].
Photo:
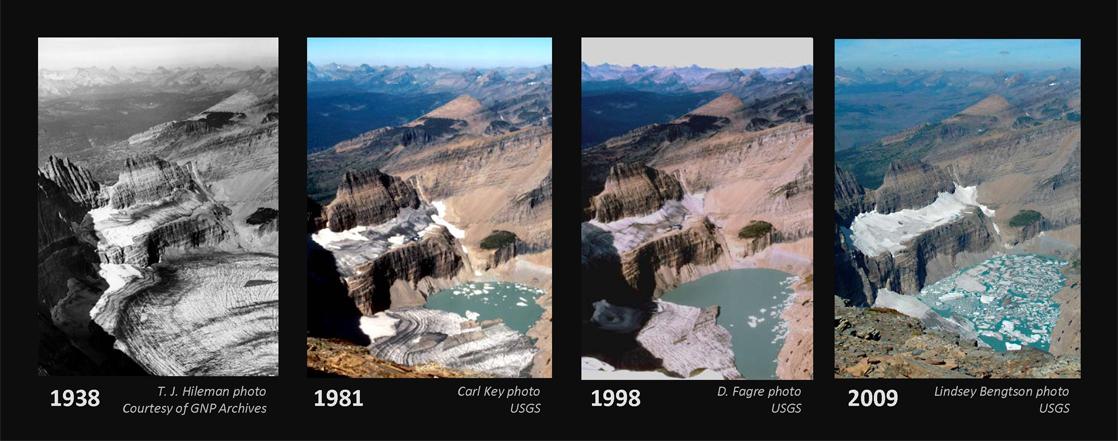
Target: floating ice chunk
[752, 322]
[521, 304]
[1012, 346]
[470, 315]
[951, 296]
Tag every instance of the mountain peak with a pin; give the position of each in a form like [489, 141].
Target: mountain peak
[991, 105]
[725, 105]
[459, 108]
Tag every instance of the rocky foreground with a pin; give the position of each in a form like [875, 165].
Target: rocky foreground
[884, 343]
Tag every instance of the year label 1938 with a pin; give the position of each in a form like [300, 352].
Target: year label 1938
[75, 398]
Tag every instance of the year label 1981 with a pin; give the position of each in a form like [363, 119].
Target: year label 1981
[873, 398]
[338, 398]
[75, 398]
[616, 398]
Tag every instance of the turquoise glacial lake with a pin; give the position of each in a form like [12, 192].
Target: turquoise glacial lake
[751, 302]
[1007, 298]
[513, 303]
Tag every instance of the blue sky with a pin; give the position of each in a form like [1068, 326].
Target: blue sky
[979, 55]
[440, 52]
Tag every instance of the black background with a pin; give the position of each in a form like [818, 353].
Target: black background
[431, 408]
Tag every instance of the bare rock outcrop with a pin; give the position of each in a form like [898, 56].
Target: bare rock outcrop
[75, 181]
[931, 255]
[663, 263]
[634, 190]
[909, 184]
[147, 178]
[368, 198]
[404, 276]
[883, 343]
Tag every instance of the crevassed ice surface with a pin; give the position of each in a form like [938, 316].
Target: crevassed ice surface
[875, 233]
[513, 303]
[1007, 297]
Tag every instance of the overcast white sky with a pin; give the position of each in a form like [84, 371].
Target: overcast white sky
[65, 53]
[720, 53]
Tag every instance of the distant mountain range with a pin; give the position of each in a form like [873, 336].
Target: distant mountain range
[346, 101]
[873, 103]
[617, 99]
[82, 80]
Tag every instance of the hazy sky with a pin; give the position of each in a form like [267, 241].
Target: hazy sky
[719, 53]
[65, 53]
[440, 52]
[980, 55]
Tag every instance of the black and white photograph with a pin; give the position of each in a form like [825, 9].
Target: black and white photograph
[158, 185]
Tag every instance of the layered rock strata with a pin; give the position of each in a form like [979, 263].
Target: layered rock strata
[368, 198]
[634, 190]
[406, 275]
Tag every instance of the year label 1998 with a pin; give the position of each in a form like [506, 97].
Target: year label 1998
[873, 398]
[616, 398]
[75, 398]
[338, 398]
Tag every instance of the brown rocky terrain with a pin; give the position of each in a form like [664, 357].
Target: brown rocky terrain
[368, 198]
[634, 190]
[883, 343]
[335, 357]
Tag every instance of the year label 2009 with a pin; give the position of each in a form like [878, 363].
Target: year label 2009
[873, 398]
[616, 398]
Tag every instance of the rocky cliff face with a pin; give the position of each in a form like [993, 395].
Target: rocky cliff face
[850, 197]
[368, 198]
[663, 263]
[931, 255]
[148, 179]
[634, 190]
[404, 276]
[910, 184]
[75, 181]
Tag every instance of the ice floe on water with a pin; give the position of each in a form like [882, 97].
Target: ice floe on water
[874, 233]
[511, 302]
[1008, 298]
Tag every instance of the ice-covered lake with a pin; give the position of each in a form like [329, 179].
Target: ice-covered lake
[1008, 299]
[751, 302]
[513, 303]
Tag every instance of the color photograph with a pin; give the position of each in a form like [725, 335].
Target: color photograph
[697, 184]
[429, 207]
[957, 208]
